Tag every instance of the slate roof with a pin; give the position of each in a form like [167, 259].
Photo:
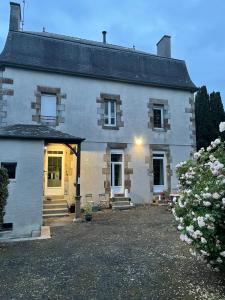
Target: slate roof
[37, 132]
[66, 55]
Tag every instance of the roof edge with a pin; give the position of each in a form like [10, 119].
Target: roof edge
[36, 68]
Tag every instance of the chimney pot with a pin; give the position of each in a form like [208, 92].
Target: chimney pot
[164, 46]
[15, 16]
[104, 36]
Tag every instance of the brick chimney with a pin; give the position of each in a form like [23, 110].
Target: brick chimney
[164, 46]
[15, 16]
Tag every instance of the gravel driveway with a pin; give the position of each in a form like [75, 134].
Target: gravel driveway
[132, 254]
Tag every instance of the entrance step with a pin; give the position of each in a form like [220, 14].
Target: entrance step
[55, 210]
[53, 197]
[56, 202]
[56, 215]
[121, 203]
[55, 206]
[123, 207]
[120, 199]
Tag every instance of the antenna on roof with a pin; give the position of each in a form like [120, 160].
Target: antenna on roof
[43, 29]
[133, 47]
[23, 13]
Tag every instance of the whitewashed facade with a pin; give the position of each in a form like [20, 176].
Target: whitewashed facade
[148, 126]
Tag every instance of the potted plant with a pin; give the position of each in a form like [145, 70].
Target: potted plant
[4, 181]
[88, 212]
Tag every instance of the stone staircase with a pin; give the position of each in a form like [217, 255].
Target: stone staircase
[54, 207]
[120, 202]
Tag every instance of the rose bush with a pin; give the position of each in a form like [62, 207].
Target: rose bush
[200, 209]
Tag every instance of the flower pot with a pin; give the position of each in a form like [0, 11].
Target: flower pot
[88, 217]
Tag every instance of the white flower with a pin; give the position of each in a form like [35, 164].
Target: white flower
[203, 240]
[204, 253]
[209, 148]
[206, 203]
[190, 229]
[223, 201]
[219, 260]
[180, 227]
[201, 222]
[185, 238]
[196, 234]
[216, 196]
[222, 126]
[222, 254]
[206, 195]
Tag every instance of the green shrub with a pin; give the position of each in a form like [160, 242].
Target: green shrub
[4, 181]
[200, 209]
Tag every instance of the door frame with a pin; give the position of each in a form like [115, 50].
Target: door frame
[160, 188]
[54, 191]
[117, 189]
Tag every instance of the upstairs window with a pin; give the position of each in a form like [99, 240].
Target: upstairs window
[158, 117]
[11, 169]
[48, 108]
[110, 113]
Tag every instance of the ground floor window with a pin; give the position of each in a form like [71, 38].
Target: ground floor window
[159, 172]
[11, 169]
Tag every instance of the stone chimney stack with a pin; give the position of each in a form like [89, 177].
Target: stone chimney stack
[164, 46]
[15, 16]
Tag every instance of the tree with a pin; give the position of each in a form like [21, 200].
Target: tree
[217, 112]
[4, 181]
[204, 124]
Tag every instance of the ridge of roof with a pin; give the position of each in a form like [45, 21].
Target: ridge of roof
[94, 43]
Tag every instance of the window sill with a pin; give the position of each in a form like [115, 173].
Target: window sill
[110, 127]
[159, 129]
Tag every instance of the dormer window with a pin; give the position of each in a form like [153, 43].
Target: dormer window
[110, 113]
[48, 108]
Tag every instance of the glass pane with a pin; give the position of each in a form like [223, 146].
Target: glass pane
[158, 172]
[112, 121]
[158, 155]
[112, 107]
[157, 118]
[106, 121]
[48, 106]
[54, 171]
[117, 175]
[116, 157]
[106, 111]
[11, 169]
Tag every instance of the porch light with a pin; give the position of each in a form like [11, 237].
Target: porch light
[138, 141]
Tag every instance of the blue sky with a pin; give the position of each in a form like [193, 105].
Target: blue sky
[197, 28]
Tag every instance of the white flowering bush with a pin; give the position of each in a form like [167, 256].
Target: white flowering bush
[200, 209]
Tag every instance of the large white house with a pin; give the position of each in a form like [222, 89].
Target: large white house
[130, 113]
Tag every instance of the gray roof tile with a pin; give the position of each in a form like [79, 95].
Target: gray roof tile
[37, 132]
[67, 55]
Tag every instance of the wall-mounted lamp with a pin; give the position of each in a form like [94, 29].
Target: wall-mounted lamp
[138, 141]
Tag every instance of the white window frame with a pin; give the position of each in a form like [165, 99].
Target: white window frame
[48, 118]
[117, 189]
[160, 188]
[161, 108]
[110, 116]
